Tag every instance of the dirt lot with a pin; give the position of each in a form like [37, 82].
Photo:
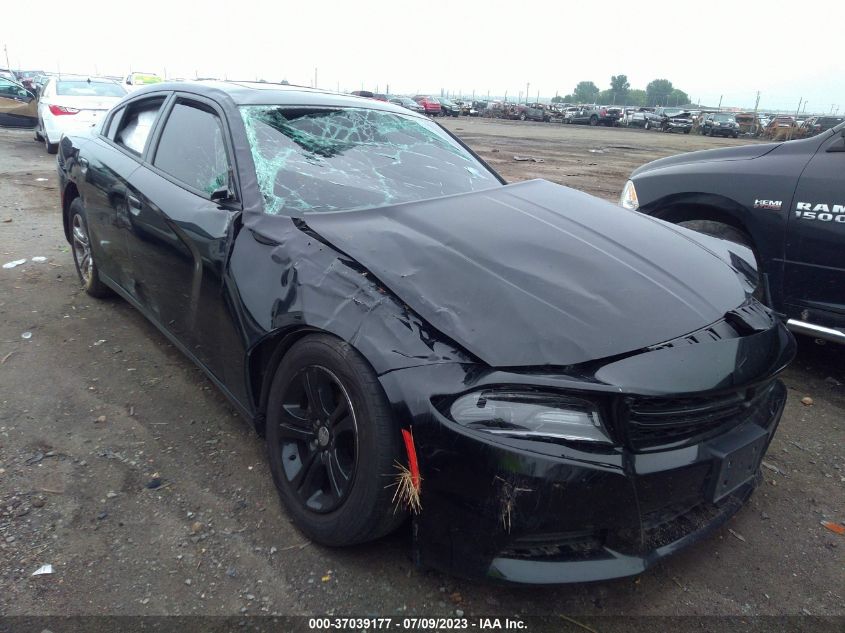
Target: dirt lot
[95, 404]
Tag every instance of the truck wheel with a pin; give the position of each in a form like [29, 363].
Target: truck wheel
[594, 120]
[522, 116]
[731, 234]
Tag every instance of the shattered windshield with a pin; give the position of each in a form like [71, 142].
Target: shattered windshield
[319, 159]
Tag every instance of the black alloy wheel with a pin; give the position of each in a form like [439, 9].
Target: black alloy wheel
[318, 438]
[332, 443]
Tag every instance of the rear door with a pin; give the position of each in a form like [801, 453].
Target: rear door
[180, 234]
[109, 197]
[814, 287]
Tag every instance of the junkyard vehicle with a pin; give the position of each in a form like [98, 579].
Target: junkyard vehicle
[18, 107]
[407, 102]
[135, 80]
[594, 115]
[537, 112]
[467, 107]
[338, 288]
[670, 120]
[570, 113]
[819, 124]
[449, 107]
[495, 110]
[634, 117]
[479, 107]
[429, 104]
[72, 102]
[720, 124]
[780, 128]
[5, 73]
[614, 113]
[785, 201]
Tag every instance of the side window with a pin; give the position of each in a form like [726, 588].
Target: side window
[137, 123]
[192, 148]
[113, 123]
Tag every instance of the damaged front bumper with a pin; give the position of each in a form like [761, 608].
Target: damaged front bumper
[532, 512]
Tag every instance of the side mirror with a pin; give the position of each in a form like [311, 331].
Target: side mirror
[222, 194]
[838, 145]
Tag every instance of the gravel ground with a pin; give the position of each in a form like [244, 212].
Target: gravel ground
[128, 472]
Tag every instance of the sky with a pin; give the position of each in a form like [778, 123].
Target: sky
[711, 50]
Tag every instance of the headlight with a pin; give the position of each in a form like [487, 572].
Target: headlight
[529, 415]
[628, 199]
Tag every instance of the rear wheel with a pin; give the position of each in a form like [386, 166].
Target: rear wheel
[83, 258]
[332, 443]
[52, 148]
[594, 120]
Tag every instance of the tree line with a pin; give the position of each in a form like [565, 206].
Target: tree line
[659, 92]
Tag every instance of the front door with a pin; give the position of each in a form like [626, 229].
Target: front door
[182, 228]
[814, 288]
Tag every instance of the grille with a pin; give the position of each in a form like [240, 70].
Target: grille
[653, 422]
[557, 547]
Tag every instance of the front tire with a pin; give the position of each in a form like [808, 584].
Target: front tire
[594, 120]
[332, 443]
[731, 234]
[52, 148]
[83, 257]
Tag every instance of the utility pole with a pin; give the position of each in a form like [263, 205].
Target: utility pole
[527, 85]
[720, 102]
[756, 105]
[315, 76]
[6, 50]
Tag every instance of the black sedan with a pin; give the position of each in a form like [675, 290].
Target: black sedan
[554, 388]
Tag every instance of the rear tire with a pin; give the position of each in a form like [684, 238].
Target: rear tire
[594, 120]
[336, 495]
[83, 257]
[52, 148]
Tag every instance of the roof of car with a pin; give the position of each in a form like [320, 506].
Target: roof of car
[106, 80]
[261, 93]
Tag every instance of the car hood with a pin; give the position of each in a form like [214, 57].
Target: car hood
[743, 152]
[536, 274]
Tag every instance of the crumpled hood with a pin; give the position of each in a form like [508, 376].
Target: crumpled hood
[742, 152]
[536, 273]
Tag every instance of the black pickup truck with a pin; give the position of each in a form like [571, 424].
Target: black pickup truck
[785, 201]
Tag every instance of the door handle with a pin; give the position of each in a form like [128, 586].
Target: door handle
[134, 205]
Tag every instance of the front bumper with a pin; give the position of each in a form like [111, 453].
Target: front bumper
[724, 131]
[530, 512]
[677, 127]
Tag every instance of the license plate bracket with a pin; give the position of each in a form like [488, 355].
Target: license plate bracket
[736, 458]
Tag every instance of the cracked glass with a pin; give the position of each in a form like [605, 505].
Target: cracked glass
[319, 159]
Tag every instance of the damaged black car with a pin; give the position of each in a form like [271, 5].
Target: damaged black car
[552, 387]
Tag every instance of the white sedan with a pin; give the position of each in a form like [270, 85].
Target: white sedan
[71, 103]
